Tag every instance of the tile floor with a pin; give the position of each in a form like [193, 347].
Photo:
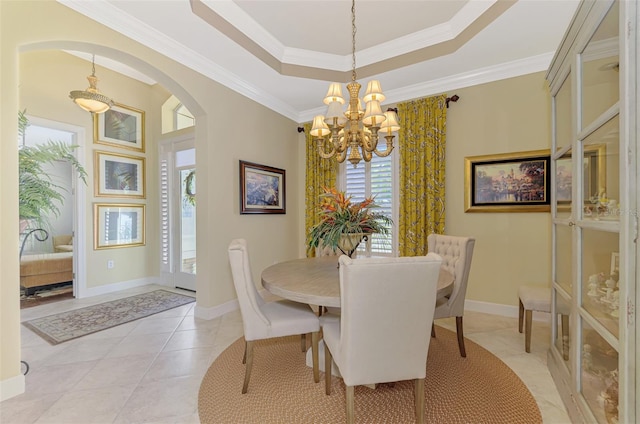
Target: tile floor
[150, 370]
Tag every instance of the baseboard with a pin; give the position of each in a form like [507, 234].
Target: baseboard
[123, 285]
[12, 387]
[215, 311]
[502, 310]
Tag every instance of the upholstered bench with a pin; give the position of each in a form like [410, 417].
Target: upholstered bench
[538, 298]
[45, 269]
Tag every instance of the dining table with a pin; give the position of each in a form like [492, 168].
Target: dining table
[316, 281]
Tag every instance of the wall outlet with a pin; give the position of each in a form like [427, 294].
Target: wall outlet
[110, 264]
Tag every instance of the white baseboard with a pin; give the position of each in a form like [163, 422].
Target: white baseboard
[123, 285]
[12, 387]
[215, 311]
[502, 310]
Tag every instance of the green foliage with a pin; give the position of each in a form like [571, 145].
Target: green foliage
[39, 196]
[339, 216]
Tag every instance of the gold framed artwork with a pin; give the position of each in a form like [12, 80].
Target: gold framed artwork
[120, 126]
[507, 182]
[118, 175]
[118, 225]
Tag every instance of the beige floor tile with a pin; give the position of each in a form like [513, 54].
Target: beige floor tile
[139, 344]
[179, 363]
[156, 324]
[110, 372]
[26, 408]
[88, 406]
[56, 378]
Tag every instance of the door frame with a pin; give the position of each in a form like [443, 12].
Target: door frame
[79, 225]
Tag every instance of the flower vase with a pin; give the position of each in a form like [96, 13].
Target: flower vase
[349, 242]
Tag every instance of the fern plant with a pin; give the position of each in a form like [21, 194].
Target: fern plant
[39, 196]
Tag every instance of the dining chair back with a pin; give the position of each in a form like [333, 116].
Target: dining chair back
[456, 253]
[371, 347]
[263, 320]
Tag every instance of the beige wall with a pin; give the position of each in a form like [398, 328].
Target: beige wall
[222, 139]
[46, 77]
[506, 116]
[511, 249]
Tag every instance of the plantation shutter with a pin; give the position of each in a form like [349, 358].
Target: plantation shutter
[165, 224]
[373, 178]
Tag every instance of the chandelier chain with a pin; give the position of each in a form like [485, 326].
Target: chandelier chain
[93, 65]
[353, 40]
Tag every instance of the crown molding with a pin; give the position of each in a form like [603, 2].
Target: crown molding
[455, 82]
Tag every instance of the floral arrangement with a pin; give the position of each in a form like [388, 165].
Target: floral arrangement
[338, 216]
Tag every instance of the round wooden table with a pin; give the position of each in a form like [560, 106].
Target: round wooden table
[316, 281]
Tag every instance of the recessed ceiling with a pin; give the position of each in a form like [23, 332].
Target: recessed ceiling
[283, 53]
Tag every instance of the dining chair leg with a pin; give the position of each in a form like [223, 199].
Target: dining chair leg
[433, 330]
[315, 336]
[460, 332]
[520, 316]
[303, 342]
[244, 356]
[419, 400]
[350, 405]
[327, 369]
[527, 330]
[247, 371]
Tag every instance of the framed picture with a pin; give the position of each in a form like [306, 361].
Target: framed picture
[262, 189]
[117, 175]
[120, 126]
[118, 225]
[508, 182]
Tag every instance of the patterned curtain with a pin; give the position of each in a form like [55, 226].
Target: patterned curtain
[422, 166]
[320, 173]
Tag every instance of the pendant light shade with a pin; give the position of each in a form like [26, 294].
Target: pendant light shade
[91, 99]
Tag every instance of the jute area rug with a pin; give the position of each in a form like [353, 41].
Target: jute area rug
[477, 389]
[69, 325]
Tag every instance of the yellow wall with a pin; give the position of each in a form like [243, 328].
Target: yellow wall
[511, 115]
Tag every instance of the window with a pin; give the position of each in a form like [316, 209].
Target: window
[376, 178]
[182, 117]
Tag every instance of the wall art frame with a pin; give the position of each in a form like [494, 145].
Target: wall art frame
[121, 126]
[118, 175]
[262, 189]
[508, 182]
[117, 225]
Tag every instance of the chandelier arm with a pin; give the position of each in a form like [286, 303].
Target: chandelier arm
[389, 147]
[341, 156]
[322, 149]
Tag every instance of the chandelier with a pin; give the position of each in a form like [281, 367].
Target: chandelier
[354, 133]
[91, 99]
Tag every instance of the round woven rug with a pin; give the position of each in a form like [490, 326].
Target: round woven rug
[477, 389]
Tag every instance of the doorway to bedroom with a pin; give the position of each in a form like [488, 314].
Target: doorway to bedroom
[48, 257]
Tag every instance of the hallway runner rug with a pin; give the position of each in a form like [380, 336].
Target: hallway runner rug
[70, 325]
[477, 389]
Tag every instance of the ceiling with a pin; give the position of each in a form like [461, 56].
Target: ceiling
[283, 54]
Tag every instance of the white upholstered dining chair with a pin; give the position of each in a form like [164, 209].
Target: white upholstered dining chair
[456, 253]
[264, 320]
[370, 347]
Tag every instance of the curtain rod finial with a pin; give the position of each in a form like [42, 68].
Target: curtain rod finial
[300, 129]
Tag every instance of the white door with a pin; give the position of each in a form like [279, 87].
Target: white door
[178, 213]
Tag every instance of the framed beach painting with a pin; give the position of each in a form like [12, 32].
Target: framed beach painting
[508, 182]
[117, 175]
[121, 126]
[118, 225]
[262, 189]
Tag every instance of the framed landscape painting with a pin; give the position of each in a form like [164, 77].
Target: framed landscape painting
[118, 225]
[262, 189]
[120, 126]
[508, 182]
[117, 175]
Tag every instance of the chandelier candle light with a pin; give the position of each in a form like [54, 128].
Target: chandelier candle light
[355, 130]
